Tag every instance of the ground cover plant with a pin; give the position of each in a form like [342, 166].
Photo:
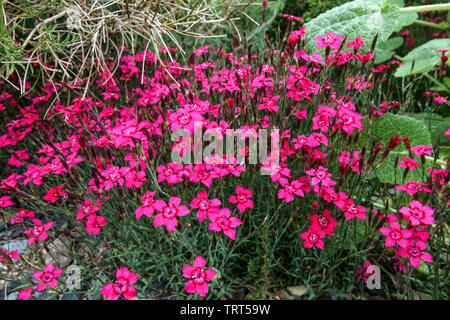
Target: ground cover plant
[289, 170]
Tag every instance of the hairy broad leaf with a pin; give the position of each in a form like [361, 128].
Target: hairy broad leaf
[391, 44]
[359, 18]
[405, 19]
[383, 128]
[436, 124]
[384, 51]
[383, 56]
[425, 57]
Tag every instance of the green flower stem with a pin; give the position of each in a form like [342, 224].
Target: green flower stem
[438, 161]
[432, 25]
[379, 204]
[432, 7]
[428, 76]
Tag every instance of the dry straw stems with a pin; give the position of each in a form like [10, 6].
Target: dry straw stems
[68, 41]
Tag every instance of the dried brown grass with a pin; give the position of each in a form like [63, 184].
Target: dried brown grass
[78, 38]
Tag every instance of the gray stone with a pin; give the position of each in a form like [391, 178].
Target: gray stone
[12, 232]
[12, 296]
[61, 224]
[94, 294]
[43, 296]
[59, 251]
[10, 287]
[20, 245]
[94, 297]
[70, 297]
[297, 291]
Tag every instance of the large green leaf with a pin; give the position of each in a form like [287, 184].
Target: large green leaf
[405, 19]
[425, 57]
[359, 18]
[383, 128]
[446, 81]
[436, 124]
[442, 87]
[384, 51]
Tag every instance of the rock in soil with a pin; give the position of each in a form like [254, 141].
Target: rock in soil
[11, 286]
[20, 245]
[60, 252]
[12, 232]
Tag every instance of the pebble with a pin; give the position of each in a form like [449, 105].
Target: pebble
[60, 250]
[43, 296]
[94, 297]
[20, 245]
[70, 297]
[12, 296]
[61, 224]
[11, 286]
[12, 232]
